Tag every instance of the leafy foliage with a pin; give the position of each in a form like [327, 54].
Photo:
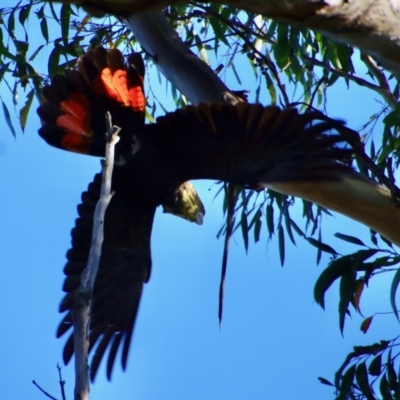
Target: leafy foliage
[289, 66]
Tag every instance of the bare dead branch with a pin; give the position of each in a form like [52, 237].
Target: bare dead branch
[62, 383]
[83, 296]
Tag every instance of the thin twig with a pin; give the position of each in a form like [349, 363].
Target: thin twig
[381, 78]
[314, 93]
[388, 96]
[251, 46]
[43, 391]
[83, 296]
[62, 383]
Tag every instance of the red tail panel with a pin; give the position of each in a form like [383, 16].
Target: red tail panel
[75, 143]
[121, 87]
[73, 114]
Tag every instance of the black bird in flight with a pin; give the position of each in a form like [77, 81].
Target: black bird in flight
[246, 144]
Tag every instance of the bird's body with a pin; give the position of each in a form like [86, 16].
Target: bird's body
[247, 144]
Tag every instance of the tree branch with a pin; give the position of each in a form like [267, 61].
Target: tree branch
[176, 61]
[84, 294]
[371, 25]
[355, 196]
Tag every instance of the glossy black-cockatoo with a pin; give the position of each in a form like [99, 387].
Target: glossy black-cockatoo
[246, 144]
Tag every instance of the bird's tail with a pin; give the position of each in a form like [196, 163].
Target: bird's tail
[74, 107]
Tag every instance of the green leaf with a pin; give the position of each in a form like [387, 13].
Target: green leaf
[361, 255]
[344, 53]
[389, 243]
[53, 13]
[281, 237]
[319, 252]
[366, 324]
[270, 219]
[24, 14]
[386, 261]
[334, 271]
[45, 30]
[288, 226]
[296, 228]
[219, 28]
[371, 349]
[40, 12]
[4, 69]
[23, 114]
[391, 119]
[346, 383]
[245, 230]
[362, 381]
[149, 117]
[11, 23]
[384, 389]
[36, 81]
[391, 373]
[393, 290]
[271, 30]
[65, 18]
[8, 119]
[54, 60]
[321, 246]
[372, 149]
[374, 240]
[331, 53]
[384, 153]
[347, 289]
[375, 366]
[350, 239]
[270, 87]
[257, 226]
[282, 48]
[325, 381]
[4, 51]
[202, 50]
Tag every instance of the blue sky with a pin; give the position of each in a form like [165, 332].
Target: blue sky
[275, 341]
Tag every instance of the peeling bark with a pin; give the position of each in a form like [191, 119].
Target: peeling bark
[176, 61]
[371, 25]
[355, 196]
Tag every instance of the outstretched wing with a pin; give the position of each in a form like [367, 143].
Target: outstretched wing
[125, 266]
[250, 144]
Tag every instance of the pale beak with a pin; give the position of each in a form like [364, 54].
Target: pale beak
[199, 219]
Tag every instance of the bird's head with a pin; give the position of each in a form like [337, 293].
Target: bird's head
[185, 203]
